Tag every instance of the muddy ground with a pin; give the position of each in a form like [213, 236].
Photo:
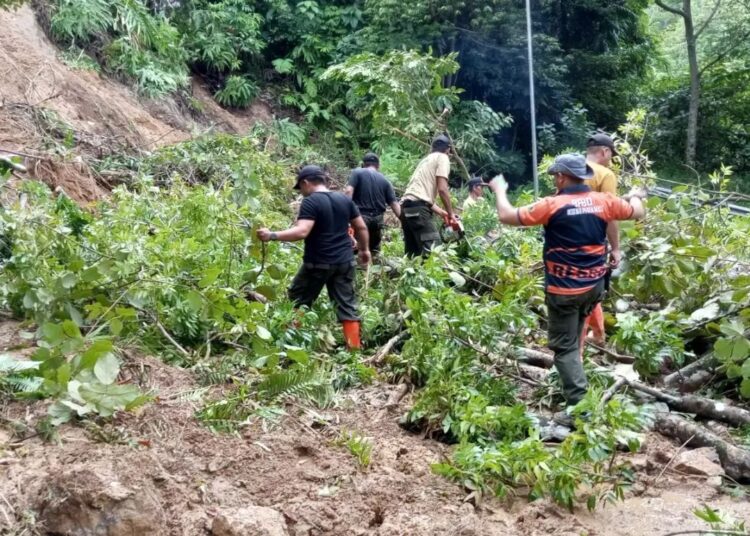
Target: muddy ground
[160, 471]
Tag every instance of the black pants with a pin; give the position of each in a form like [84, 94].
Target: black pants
[375, 230]
[337, 278]
[567, 315]
[420, 233]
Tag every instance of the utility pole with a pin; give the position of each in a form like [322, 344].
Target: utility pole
[532, 101]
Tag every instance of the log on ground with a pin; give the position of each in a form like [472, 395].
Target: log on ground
[734, 460]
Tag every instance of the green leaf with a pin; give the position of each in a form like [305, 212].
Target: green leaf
[96, 351]
[251, 276]
[194, 300]
[741, 349]
[107, 368]
[706, 313]
[745, 388]
[209, 277]
[109, 398]
[267, 291]
[115, 326]
[59, 413]
[70, 329]
[263, 333]
[53, 333]
[723, 349]
[275, 272]
[90, 275]
[745, 369]
[75, 314]
[734, 371]
[457, 279]
[298, 355]
[69, 280]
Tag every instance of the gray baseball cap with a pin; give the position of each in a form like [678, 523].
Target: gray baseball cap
[572, 164]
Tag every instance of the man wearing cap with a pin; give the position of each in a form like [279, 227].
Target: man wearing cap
[600, 148]
[475, 186]
[323, 223]
[575, 222]
[430, 179]
[372, 193]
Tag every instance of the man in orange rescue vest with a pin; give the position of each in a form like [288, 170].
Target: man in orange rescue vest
[575, 222]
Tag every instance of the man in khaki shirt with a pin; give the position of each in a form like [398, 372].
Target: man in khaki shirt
[600, 148]
[429, 180]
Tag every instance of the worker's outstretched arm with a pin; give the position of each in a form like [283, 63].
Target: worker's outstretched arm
[506, 213]
[363, 239]
[445, 196]
[349, 190]
[299, 231]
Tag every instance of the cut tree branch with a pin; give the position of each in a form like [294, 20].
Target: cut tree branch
[378, 357]
[698, 405]
[627, 359]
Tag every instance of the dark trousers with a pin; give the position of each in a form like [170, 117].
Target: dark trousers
[375, 230]
[337, 278]
[567, 317]
[418, 226]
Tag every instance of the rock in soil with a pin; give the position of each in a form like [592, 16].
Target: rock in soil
[90, 500]
[249, 521]
[701, 462]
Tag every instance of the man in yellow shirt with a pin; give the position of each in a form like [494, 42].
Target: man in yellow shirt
[429, 180]
[600, 148]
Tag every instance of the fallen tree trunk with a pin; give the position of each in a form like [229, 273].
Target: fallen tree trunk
[692, 376]
[734, 460]
[698, 405]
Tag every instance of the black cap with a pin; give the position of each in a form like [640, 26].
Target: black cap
[371, 158]
[602, 140]
[308, 172]
[441, 142]
[474, 182]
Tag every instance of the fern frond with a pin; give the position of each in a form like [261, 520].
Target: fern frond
[21, 384]
[308, 385]
[192, 395]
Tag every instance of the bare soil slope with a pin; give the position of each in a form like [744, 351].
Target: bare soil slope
[40, 94]
[162, 472]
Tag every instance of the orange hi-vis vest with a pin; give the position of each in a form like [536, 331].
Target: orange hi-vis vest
[575, 222]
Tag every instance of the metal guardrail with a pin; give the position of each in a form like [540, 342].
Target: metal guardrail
[735, 210]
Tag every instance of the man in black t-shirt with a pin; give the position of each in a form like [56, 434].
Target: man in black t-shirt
[372, 193]
[323, 223]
